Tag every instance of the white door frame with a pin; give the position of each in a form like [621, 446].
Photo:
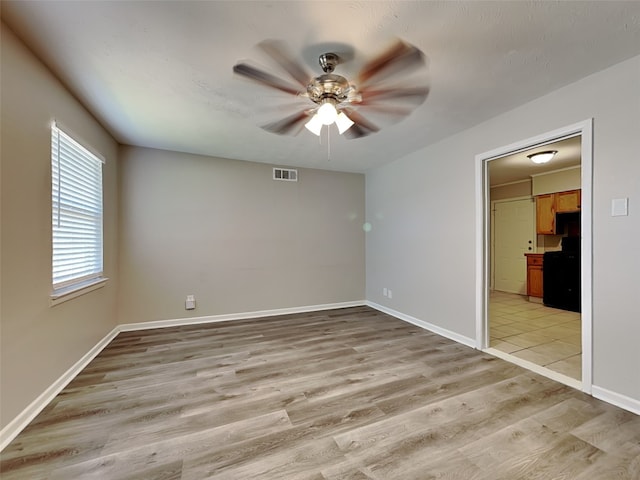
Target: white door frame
[585, 130]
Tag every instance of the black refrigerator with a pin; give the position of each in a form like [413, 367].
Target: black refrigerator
[561, 278]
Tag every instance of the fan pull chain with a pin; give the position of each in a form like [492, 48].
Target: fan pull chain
[328, 143]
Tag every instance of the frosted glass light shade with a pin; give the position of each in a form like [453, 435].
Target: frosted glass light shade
[327, 113]
[542, 157]
[343, 123]
[314, 125]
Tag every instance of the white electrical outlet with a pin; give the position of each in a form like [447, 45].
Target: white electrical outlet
[389, 294]
[190, 302]
[384, 292]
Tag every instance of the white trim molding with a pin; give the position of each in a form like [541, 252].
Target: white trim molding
[72, 291]
[15, 426]
[456, 337]
[617, 399]
[126, 327]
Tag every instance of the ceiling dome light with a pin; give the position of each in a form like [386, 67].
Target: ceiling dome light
[327, 113]
[542, 157]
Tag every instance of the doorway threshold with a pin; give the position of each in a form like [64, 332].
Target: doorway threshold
[540, 370]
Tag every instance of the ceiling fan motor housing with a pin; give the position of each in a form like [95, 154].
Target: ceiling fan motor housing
[327, 86]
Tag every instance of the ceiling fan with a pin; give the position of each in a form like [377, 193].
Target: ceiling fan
[335, 99]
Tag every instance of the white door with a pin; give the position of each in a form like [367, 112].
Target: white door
[514, 235]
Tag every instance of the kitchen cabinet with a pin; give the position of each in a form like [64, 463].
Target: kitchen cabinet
[534, 274]
[568, 202]
[546, 214]
[548, 205]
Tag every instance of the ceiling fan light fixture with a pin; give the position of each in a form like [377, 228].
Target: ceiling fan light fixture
[314, 125]
[542, 157]
[330, 93]
[343, 123]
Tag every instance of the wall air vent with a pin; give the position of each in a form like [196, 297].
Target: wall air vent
[285, 174]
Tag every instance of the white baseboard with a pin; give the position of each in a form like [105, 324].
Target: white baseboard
[15, 426]
[470, 342]
[125, 327]
[617, 399]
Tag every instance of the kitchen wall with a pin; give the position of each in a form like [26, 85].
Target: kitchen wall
[422, 211]
[556, 181]
[39, 342]
[226, 232]
[512, 190]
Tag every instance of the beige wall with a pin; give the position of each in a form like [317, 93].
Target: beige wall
[513, 190]
[38, 342]
[422, 211]
[226, 232]
[557, 181]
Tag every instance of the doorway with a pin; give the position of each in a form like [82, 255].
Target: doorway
[486, 294]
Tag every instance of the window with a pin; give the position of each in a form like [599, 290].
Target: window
[76, 192]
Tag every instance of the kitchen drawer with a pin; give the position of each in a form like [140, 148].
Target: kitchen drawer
[531, 260]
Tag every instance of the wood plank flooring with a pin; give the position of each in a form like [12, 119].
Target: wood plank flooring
[343, 394]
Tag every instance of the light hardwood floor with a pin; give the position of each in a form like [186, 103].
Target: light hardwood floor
[342, 394]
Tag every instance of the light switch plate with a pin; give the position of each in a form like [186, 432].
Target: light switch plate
[619, 207]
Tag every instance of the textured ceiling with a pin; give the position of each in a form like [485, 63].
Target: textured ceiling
[159, 74]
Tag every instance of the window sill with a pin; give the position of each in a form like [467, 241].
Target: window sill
[72, 291]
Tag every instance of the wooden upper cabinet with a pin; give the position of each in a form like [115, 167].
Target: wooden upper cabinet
[545, 214]
[567, 202]
[551, 203]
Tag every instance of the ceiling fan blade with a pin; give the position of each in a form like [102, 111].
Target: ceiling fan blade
[400, 57]
[287, 124]
[356, 131]
[416, 94]
[361, 126]
[264, 78]
[387, 110]
[277, 51]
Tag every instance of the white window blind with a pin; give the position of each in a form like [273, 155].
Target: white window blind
[76, 188]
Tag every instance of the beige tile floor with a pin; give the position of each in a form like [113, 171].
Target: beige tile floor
[546, 336]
